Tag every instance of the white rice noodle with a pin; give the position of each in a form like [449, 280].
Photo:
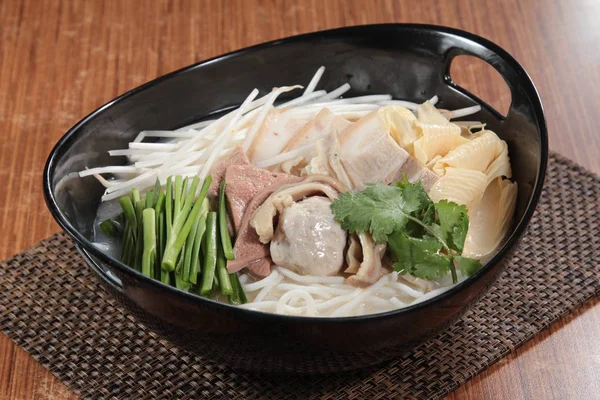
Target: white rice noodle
[408, 290]
[346, 308]
[434, 100]
[326, 305]
[309, 301]
[397, 303]
[251, 287]
[387, 291]
[286, 292]
[324, 292]
[335, 289]
[267, 289]
[431, 294]
[309, 279]
[376, 301]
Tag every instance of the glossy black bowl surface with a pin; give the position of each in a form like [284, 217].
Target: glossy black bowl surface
[409, 61]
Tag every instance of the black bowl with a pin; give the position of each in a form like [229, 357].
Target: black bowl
[409, 61]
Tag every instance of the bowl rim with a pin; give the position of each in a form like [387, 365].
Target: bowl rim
[505, 249]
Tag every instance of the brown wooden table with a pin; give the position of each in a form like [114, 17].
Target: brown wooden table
[59, 60]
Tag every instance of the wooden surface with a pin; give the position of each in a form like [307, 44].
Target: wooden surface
[61, 60]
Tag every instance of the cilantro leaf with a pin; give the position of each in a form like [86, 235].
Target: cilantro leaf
[380, 209]
[418, 256]
[453, 223]
[468, 266]
[434, 266]
[410, 251]
[423, 238]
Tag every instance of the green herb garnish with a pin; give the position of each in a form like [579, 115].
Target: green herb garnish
[424, 238]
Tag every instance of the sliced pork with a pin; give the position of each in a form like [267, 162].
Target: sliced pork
[415, 172]
[248, 250]
[274, 134]
[319, 127]
[243, 183]
[368, 152]
[236, 157]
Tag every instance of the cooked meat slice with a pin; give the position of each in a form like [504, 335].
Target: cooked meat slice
[274, 134]
[416, 172]
[324, 123]
[368, 152]
[243, 183]
[260, 268]
[236, 157]
[308, 240]
[247, 248]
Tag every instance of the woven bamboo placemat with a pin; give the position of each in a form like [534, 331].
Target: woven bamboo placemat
[51, 306]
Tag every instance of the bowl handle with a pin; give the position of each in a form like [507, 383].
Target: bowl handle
[110, 279]
[524, 96]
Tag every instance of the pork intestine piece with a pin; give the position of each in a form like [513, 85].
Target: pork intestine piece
[370, 269]
[327, 161]
[262, 219]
